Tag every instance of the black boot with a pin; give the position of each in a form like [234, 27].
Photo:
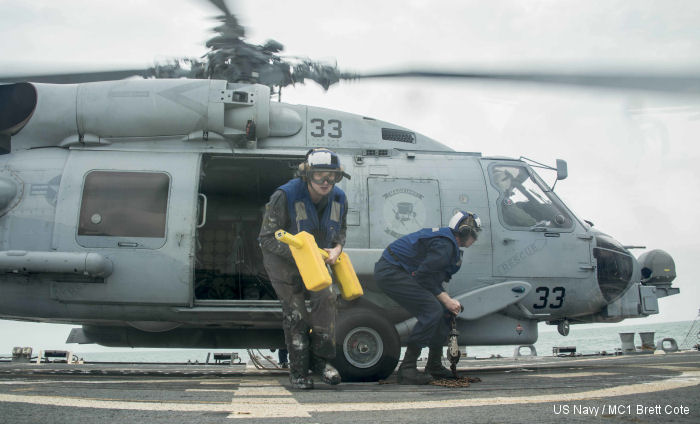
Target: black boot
[434, 366]
[408, 373]
[301, 382]
[299, 369]
[326, 371]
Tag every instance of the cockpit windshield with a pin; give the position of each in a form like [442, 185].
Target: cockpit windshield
[525, 202]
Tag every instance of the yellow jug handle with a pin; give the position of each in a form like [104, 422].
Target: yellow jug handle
[289, 239]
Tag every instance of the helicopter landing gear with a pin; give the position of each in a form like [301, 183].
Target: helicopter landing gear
[563, 327]
[367, 346]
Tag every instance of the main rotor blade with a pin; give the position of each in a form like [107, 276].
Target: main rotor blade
[76, 78]
[229, 22]
[221, 5]
[683, 83]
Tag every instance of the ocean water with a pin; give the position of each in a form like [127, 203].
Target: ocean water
[588, 339]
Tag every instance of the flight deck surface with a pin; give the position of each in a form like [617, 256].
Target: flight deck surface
[625, 389]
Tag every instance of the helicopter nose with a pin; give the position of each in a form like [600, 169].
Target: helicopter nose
[617, 269]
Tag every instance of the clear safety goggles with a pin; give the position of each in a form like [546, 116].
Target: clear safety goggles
[331, 177]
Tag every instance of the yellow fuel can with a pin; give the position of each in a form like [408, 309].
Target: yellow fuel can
[313, 270]
[308, 258]
[350, 287]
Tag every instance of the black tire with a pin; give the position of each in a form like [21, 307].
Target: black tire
[367, 345]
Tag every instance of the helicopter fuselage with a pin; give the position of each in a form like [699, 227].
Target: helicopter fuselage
[132, 208]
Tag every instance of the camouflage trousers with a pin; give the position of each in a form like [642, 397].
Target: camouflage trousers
[307, 334]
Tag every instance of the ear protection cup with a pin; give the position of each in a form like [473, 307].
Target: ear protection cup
[465, 231]
[301, 171]
[465, 224]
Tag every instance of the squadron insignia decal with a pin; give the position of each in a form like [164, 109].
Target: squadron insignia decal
[404, 212]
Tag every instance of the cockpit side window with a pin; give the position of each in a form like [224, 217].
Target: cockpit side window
[524, 202]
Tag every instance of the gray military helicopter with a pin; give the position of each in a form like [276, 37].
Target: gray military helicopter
[131, 207]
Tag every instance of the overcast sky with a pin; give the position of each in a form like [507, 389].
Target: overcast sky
[632, 155]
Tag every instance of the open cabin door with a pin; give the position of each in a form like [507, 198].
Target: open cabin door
[228, 266]
[136, 209]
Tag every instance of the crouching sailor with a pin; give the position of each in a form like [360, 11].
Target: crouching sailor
[411, 271]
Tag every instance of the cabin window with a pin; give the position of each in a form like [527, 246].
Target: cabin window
[525, 202]
[130, 206]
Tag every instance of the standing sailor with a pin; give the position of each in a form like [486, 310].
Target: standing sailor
[314, 204]
[411, 271]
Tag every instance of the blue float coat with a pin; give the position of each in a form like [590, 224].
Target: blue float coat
[430, 255]
[304, 217]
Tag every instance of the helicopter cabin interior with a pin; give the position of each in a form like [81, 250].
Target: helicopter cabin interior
[233, 192]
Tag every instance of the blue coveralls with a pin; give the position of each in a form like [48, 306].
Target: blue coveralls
[411, 271]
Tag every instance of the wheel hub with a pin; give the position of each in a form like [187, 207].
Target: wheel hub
[363, 347]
